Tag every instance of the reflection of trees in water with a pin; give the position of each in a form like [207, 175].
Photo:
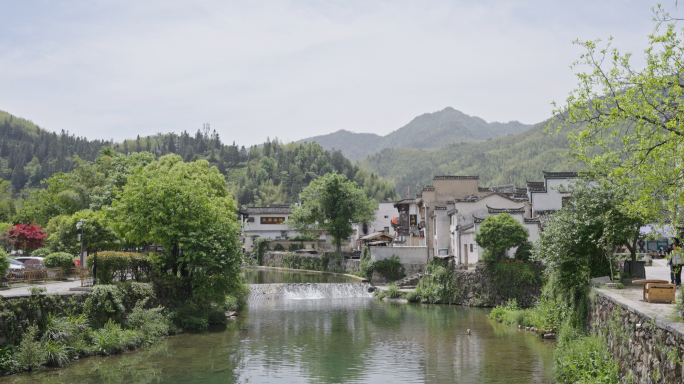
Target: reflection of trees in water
[330, 341]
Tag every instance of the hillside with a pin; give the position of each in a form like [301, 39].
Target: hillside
[430, 130]
[510, 159]
[257, 175]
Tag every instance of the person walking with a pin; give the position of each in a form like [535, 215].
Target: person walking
[675, 263]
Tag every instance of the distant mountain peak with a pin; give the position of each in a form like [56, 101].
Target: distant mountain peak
[429, 130]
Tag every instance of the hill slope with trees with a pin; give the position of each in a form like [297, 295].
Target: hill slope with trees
[256, 175]
[429, 130]
[504, 160]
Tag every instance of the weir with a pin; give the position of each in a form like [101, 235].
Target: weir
[309, 291]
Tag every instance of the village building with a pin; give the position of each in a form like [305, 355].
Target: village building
[268, 223]
[547, 196]
[382, 224]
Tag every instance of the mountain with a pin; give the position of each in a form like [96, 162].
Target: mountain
[504, 160]
[430, 130]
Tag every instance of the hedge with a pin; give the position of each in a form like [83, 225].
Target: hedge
[112, 265]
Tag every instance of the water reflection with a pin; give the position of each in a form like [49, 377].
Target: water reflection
[275, 276]
[330, 341]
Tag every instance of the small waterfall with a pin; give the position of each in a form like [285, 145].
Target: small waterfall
[309, 291]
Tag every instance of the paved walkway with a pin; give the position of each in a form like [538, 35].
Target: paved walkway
[53, 288]
[634, 293]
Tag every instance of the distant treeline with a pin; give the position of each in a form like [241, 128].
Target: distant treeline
[258, 175]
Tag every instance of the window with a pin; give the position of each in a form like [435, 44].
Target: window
[386, 230]
[471, 247]
[386, 217]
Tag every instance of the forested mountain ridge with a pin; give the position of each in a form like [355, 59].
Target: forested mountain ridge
[504, 160]
[257, 175]
[429, 130]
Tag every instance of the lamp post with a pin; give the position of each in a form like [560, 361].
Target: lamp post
[80, 225]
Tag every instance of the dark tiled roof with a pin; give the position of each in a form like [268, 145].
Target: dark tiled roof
[283, 210]
[428, 188]
[405, 201]
[449, 201]
[419, 195]
[466, 227]
[559, 175]
[470, 198]
[455, 177]
[452, 211]
[534, 220]
[534, 184]
[482, 189]
[477, 219]
[506, 210]
[440, 207]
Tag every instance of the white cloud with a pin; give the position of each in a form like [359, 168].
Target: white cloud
[293, 69]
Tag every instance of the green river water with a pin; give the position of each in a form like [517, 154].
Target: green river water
[351, 340]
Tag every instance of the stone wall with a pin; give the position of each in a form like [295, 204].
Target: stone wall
[475, 288]
[275, 259]
[407, 255]
[648, 346]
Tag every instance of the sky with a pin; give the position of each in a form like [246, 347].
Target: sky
[115, 69]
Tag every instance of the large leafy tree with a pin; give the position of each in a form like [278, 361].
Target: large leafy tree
[499, 233]
[578, 242]
[97, 234]
[185, 208]
[629, 122]
[332, 203]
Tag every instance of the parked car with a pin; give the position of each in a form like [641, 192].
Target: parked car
[24, 259]
[15, 267]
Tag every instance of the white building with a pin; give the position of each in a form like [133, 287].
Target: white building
[267, 222]
[382, 223]
[548, 195]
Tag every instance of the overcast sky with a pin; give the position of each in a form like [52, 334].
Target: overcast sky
[294, 69]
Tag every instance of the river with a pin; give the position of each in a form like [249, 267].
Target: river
[340, 340]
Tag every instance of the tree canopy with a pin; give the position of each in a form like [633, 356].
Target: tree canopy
[334, 204]
[629, 122]
[499, 233]
[185, 208]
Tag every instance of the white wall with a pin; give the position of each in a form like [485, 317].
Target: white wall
[552, 199]
[407, 255]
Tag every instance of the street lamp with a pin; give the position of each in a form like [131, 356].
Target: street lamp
[79, 225]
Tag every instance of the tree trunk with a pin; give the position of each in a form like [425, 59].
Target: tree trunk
[632, 251]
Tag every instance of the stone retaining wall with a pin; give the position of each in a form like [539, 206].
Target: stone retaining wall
[648, 347]
[275, 259]
[475, 289]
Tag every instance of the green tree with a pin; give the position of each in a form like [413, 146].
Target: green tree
[333, 204]
[97, 234]
[629, 121]
[185, 208]
[499, 233]
[578, 241]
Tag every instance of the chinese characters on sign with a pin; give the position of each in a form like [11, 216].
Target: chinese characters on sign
[272, 220]
[413, 220]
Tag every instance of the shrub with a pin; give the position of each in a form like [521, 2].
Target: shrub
[30, 354]
[8, 361]
[104, 303]
[582, 358]
[295, 247]
[279, 247]
[4, 263]
[513, 279]
[380, 295]
[412, 296]
[111, 339]
[439, 286]
[390, 268]
[393, 291]
[57, 354]
[59, 260]
[366, 265]
[118, 265]
[150, 323]
[41, 252]
[524, 251]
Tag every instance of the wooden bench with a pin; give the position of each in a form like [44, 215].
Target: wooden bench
[657, 290]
